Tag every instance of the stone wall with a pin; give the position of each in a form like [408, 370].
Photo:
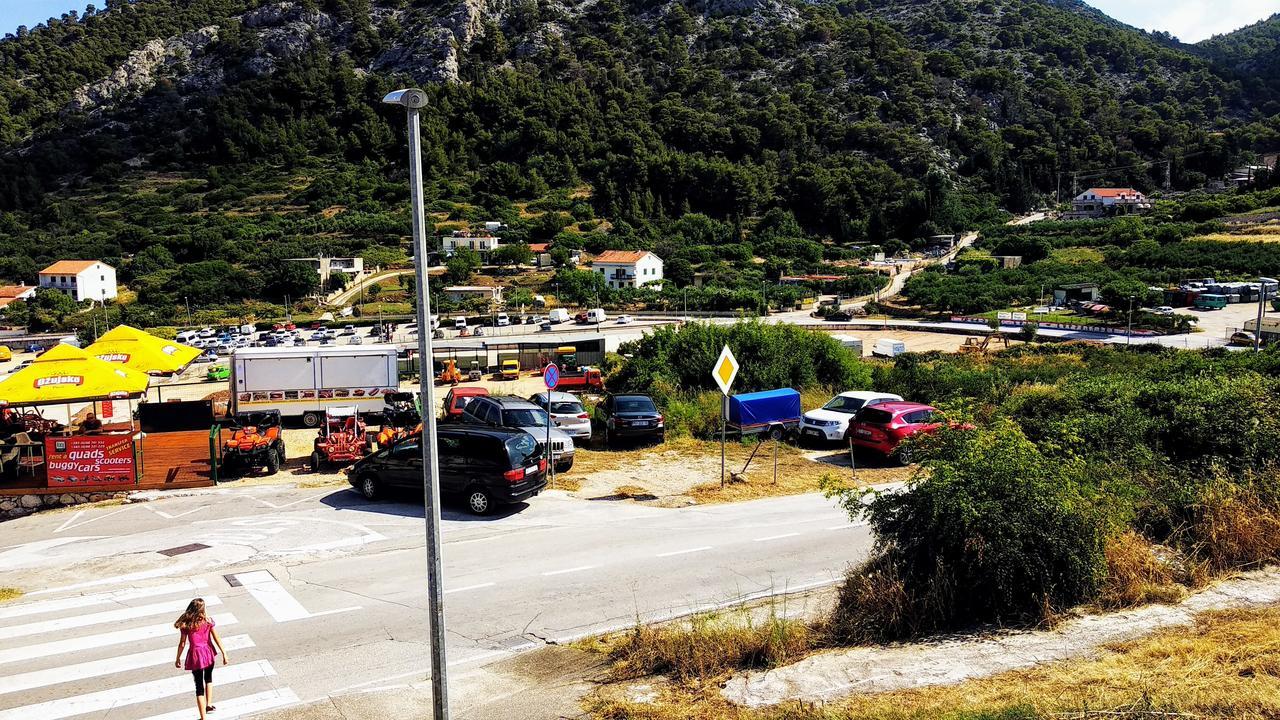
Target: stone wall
[15, 506]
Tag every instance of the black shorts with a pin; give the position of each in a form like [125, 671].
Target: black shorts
[202, 677]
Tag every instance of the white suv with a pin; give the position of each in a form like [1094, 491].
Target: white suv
[831, 421]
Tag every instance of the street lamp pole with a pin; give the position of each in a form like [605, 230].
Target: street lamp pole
[1262, 309]
[414, 100]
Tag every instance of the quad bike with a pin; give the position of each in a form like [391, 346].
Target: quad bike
[256, 443]
[342, 439]
[400, 418]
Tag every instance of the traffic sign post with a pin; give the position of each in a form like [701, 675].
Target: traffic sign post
[724, 372]
[550, 378]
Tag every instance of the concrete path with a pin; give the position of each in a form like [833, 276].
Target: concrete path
[832, 675]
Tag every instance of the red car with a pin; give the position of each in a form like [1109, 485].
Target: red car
[457, 400]
[882, 427]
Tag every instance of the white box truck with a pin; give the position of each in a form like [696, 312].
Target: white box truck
[888, 348]
[301, 382]
[853, 343]
[557, 316]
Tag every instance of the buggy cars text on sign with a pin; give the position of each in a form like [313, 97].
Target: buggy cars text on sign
[90, 461]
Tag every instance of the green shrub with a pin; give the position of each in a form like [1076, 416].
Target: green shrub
[991, 531]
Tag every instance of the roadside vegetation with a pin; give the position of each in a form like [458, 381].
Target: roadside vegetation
[1081, 477]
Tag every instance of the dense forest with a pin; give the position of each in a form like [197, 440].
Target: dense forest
[161, 135]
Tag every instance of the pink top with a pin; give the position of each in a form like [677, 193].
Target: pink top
[200, 650]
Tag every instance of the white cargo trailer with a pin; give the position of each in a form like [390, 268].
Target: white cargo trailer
[301, 382]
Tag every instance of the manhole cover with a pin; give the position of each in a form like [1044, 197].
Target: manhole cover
[183, 549]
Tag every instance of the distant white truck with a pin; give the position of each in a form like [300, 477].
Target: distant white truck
[557, 316]
[301, 382]
[597, 315]
[853, 343]
[888, 348]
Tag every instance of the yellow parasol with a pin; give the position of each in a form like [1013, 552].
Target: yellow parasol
[142, 351]
[66, 374]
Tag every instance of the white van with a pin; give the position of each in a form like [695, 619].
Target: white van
[503, 320]
[597, 315]
[187, 336]
[460, 324]
[888, 348]
[557, 316]
[848, 341]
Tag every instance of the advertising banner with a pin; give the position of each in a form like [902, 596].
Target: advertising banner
[90, 462]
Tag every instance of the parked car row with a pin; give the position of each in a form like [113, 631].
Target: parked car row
[878, 422]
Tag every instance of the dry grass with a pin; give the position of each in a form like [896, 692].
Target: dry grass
[1266, 234]
[1139, 572]
[1226, 666]
[8, 593]
[1236, 530]
[710, 646]
[684, 466]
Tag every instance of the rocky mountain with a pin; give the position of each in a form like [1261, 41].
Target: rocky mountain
[857, 120]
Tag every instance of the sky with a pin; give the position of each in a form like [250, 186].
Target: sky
[1189, 20]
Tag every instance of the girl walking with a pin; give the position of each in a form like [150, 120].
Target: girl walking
[197, 631]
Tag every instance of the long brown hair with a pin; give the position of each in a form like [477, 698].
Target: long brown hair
[194, 617]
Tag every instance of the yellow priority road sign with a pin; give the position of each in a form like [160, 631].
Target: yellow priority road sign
[725, 370]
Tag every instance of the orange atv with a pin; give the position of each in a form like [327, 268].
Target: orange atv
[400, 417]
[255, 443]
[343, 438]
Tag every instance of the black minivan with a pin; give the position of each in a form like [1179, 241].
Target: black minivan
[485, 466]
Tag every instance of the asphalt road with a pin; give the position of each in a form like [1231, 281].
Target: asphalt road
[321, 593]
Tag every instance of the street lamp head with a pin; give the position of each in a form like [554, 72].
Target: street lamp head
[412, 98]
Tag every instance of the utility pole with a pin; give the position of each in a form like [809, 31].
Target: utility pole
[414, 100]
[1262, 309]
[187, 300]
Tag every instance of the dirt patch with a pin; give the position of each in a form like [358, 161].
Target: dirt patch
[683, 471]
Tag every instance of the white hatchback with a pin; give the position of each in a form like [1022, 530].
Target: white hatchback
[831, 421]
[567, 413]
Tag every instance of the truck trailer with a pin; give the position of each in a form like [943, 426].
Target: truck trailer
[301, 382]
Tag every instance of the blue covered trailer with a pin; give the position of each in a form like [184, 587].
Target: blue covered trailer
[776, 412]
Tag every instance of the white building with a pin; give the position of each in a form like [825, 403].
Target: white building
[327, 266]
[81, 279]
[629, 268]
[1106, 202]
[480, 242]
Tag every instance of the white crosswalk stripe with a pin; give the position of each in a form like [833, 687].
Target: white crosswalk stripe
[108, 654]
[239, 707]
[169, 607]
[132, 694]
[106, 666]
[101, 640]
[79, 601]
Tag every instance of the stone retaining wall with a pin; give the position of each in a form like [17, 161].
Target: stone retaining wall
[16, 506]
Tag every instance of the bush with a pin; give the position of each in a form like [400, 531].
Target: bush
[709, 645]
[990, 531]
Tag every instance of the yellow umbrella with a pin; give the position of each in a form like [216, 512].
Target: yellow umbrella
[142, 351]
[67, 374]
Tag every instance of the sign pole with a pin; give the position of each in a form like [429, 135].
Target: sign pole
[550, 378]
[724, 372]
[724, 422]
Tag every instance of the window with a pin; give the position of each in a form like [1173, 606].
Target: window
[406, 450]
[636, 404]
[843, 404]
[874, 416]
[524, 417]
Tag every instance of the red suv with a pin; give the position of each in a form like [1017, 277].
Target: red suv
[882, 427]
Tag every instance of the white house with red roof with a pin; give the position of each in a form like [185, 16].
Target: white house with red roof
[629, 268]
[1107, 202]
[81, 279]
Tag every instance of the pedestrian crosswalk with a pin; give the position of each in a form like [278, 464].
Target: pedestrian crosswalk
[110, 654]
